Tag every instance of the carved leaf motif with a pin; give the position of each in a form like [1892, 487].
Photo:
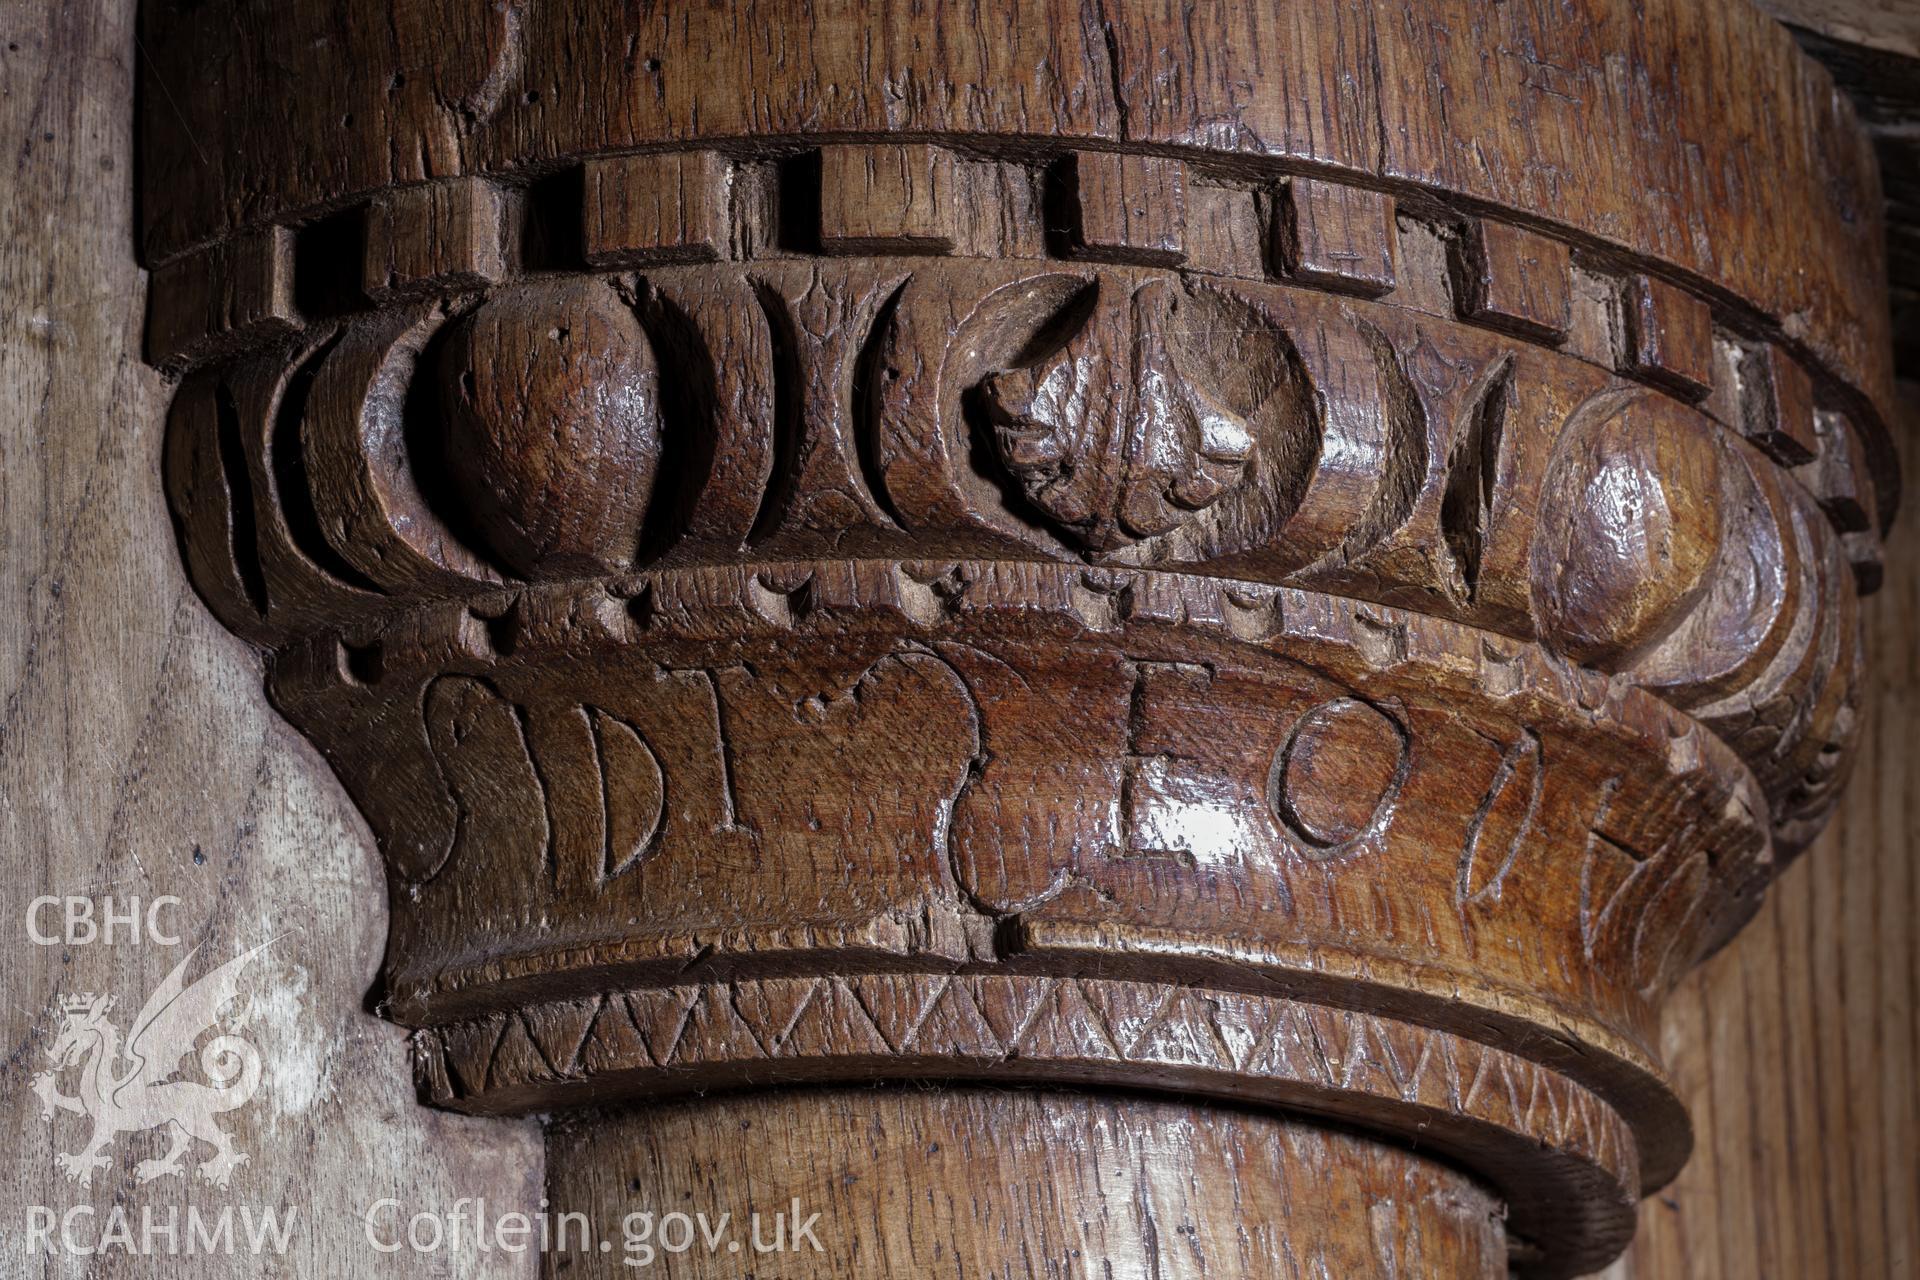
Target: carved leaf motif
[1115, 437]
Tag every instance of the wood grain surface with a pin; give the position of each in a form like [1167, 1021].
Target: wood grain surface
[1892, 25]
[1793, 1048]
[1460, 97]
[138, 754]
[1872, 49]
[975, 1182]
[137, 757]
[1121, 552]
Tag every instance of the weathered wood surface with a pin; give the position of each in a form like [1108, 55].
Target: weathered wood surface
[1794, 1047]
[1460, 97]
[137, 757]
[1879, 68]
[1872, 48]
[1892, 25]
[804, 635]
[1120, 552]
[975, 1182]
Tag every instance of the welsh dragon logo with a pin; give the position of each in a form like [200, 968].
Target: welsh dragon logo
[127, 1089]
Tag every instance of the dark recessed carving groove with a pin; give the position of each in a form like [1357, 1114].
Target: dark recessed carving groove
[829, 559]
[1124, 416]
[233, 465]
[289, 467]
[1473, 471]
[788, 424]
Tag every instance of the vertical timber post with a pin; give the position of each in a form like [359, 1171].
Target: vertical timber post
[1137, 639]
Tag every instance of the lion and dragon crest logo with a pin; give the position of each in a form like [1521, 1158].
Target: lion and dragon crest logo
[128, 1084]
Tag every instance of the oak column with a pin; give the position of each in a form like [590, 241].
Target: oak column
[1134, 639]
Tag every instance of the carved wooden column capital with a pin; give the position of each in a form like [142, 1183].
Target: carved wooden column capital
[1303, 554]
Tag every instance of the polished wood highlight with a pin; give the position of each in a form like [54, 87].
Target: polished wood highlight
[138, 758]
[877, 561]
[1791, 1046]
[870, 1183]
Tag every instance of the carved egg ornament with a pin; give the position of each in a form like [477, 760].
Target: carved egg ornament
[1629, 526]
[552, 404]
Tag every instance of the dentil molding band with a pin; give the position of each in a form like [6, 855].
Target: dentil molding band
[1303, 555]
